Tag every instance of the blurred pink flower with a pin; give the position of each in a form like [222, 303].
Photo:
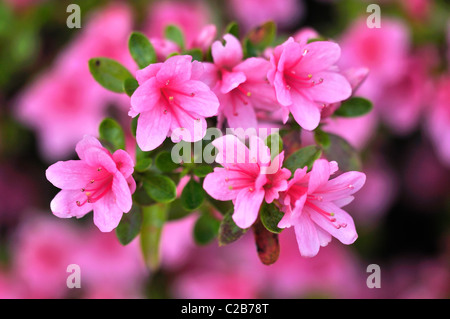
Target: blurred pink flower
[438, 120]
[65, 102]
[304, 80]
[43, 248]
[312, 204]
[190, 16]
[241, 86]
[252, 13]
[106, 263]
[170, 99]
[248, 177]
[382, 50]
[99, 181]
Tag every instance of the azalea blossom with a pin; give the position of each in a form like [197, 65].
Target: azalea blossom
[169, 98]
[248, 177]
[99, 181]
[305, 79]
[241, 86]
[312, 204]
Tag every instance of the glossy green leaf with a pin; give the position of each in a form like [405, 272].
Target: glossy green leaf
[305, 156]
[129, 226]
[205, 229]
[111, 132]
[353, 107]
[174, 33]
[141, 50]
[270, 217]
[160, 188]
[165, 163]
[202, 170]
[109, 73]
[343, 153]
[192, 195]
[267, 244]
[233, 29]
[130, 85]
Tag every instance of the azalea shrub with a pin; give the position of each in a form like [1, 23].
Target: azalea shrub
[225, 149]
[253, 95]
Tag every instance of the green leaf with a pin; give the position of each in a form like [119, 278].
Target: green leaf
[141, 197]
[202, 170]
[205, 229]
[109, 73]
[222, 206]
[174, 33]
[267, 244]
[141, 50]
[197, 54]
[176, 210]
[322, 138]
[343, 153]
[228, 231]
[111, 132]
[353, 107]
[130, 85]
[276, 139]
[129, 226]
[164, 162]
[153, 221]
[305, 156]
[192, 195]
[160, 188]
[143, 160]
[270, 217]
[233, 29]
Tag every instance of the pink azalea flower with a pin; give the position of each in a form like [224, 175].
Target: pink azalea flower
[304, 79]
[252, 13]
[438, 121]
[241, 86]
[171, 98]
[312, 204]
[99, 181]
[248, 177]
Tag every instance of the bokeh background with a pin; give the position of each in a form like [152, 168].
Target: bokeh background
[48, 101]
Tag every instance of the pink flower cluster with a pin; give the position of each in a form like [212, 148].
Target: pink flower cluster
[301, 78]
[311, 202]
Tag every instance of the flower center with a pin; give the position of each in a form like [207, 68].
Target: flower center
[97, 187]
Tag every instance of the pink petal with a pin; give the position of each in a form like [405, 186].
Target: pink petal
[124, 162]
[319, 175]
[122, 193]
[216, 185]
[259, 152]
[307, 238]
[148, 72]
[231, 150]
[246, 207]
[86, 143]
[131, 184]
[228, 55]
[320, 56]
[306, 113]
[254, 69]
[145, 97]
[107, 214]
[70, 174]
[346, 235]
[196, 97]
[231, 80]
[238, 114]
[152, 128]
[283, 94]
[64, 205]
[175, 70]
[334, 88]
[187, 126]
[342, 186]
